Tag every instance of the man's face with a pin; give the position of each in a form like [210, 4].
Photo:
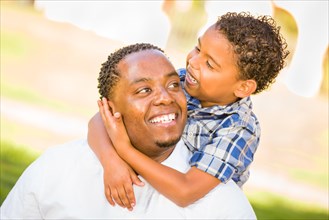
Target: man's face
[151, 101]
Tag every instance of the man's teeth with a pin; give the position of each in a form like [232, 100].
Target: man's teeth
[163, 119]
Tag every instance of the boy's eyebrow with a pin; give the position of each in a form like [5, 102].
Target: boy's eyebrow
[199, 41]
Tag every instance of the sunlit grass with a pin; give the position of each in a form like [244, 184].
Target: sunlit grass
[37, 138]
[14, 160]
[315, 177]
[13, 45]
[32, 97]
[27, 95]
[270, 206]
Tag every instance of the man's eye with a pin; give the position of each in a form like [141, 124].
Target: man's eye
[144, 90]
[174, 85]
[197, 48]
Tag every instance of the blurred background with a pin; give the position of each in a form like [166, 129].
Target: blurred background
[52, 51]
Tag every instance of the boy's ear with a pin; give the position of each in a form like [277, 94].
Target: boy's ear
[246, 88]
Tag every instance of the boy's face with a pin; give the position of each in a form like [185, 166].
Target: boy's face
[212, 73]
[151, 101]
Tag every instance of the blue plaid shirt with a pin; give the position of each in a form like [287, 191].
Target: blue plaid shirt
[223, 139]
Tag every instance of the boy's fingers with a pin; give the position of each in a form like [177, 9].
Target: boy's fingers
[108, 196]
[101, 110]
[106, 109]
[116, 198]
[130, 194]
[135, 180]
[124, 199]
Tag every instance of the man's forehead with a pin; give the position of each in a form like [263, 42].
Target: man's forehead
[145, 64]
[143, 56]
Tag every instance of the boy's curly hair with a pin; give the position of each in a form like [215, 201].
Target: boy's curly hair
[259, 47]
[109, 75]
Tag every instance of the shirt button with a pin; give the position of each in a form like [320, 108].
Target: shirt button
[190, 134]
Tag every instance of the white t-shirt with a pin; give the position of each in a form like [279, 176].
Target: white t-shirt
[66, 182]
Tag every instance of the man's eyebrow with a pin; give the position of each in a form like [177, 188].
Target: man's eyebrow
[144, 79]
[173, 73]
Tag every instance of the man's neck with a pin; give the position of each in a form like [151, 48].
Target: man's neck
[164, 155]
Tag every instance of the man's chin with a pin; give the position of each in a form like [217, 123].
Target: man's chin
[168, 143]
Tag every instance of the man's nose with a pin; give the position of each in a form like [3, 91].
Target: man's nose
[163, 97]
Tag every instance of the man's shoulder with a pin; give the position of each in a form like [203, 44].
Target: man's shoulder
[65, 155]
[67, 149]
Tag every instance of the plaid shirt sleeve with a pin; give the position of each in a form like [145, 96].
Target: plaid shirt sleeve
[230, 151]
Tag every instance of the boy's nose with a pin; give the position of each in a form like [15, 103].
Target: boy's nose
[194, 61]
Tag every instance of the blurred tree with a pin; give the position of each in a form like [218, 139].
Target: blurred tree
[306, 65]
[26, 2]
[288, 26]
[186, 19]
[324, 90]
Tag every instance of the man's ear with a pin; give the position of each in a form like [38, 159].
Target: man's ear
[246, 88]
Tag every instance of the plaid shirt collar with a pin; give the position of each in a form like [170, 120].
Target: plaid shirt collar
[195, 109]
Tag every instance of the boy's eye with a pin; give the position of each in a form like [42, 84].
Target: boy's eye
[208, 65]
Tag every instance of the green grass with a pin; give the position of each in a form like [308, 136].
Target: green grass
[14, 45]
[26, 95]
[14, 159]
[314, 177]
[270, 206]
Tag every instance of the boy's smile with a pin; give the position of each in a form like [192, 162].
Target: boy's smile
[190, 78]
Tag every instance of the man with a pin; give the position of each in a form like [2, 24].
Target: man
[66, 181]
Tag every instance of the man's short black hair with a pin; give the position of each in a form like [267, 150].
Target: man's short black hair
[109, 75]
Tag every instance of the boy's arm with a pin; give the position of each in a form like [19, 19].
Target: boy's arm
[118, 175]
[183, 189]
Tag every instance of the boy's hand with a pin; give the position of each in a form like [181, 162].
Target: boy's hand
[119, 187]
[114, 125]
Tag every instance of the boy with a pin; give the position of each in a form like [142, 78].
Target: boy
[238, 56]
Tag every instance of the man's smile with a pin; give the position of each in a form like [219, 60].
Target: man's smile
[163, 119]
